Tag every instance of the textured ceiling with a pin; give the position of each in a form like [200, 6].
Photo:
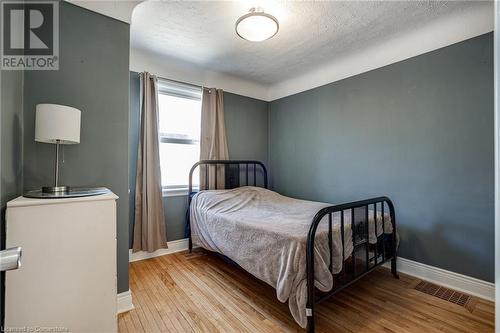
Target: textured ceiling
[311, 33]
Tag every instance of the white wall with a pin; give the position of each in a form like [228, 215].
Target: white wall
[171, 69]
[117, 9]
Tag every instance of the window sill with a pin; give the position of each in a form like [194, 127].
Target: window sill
[175, 192]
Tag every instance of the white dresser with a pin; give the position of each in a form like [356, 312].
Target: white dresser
[67, 277]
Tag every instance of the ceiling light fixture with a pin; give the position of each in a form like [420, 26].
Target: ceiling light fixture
[257, 26]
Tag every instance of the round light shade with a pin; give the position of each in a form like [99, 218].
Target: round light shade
[57, 123]
[257, 26]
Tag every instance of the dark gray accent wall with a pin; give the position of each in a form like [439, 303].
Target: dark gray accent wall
[246, 127]
[133, 139]
[246, 122]
[419, 131]
[93, 77]
[175, 216]
[11, 159]
[11, 129]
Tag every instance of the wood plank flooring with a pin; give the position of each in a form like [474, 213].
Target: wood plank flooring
[200, 292]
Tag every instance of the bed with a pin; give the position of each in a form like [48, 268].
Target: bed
[306, 250]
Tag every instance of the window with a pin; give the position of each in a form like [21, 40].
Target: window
[179, 130]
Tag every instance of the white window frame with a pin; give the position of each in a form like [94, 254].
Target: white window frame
[183, 90]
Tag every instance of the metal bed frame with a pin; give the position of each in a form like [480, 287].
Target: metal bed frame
[353, 268]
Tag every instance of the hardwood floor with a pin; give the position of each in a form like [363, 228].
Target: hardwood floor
[200, 292]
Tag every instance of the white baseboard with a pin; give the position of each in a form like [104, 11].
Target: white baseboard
[442, 277]
[124, 302]
[173, 246]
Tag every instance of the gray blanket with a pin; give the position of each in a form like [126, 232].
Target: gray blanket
[266, 234]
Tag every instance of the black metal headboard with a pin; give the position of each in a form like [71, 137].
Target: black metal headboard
[236, 173]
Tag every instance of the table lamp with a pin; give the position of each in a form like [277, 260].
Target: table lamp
[57, 124]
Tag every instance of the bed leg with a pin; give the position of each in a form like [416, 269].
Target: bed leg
[394, 270]
[310, 324]
[190, 242]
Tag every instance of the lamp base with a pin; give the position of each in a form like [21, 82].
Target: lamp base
[55, 189]
[73, 192]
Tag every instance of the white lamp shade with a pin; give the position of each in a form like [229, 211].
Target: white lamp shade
[57, 122]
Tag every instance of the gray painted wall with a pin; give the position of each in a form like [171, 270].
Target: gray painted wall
[133, 143]
[246, 126]
[11, 114]
[419, 131]
[93, 77]
[11, 138]
[497, 169]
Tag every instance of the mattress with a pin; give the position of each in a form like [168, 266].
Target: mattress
[266, 234]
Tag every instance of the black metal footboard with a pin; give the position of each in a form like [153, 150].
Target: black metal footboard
[228, 174]
[358, 264]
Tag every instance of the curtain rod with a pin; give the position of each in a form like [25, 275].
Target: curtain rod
[176, 81]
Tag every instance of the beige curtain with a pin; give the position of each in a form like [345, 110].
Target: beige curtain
[213, 145]
[149, 228]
